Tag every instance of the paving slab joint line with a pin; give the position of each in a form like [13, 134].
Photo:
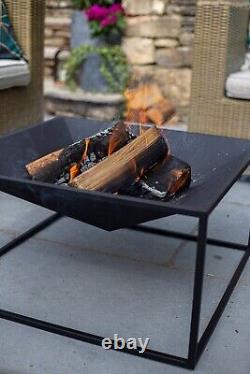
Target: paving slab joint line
[171, 262]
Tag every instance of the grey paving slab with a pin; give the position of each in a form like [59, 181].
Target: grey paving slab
[5, 237]
[246, 276]
[18, 215]
[220, 262]
[176, 222]
[121, 282]
[99, 293]
[220, 266]
[239, 193]
[27, 351]
[230, 222]
[122, 243]
[66, 285]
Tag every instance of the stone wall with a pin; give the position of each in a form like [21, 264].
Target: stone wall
[158, 43]
[57, 30]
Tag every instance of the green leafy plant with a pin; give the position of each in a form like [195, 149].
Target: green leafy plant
[114, 67]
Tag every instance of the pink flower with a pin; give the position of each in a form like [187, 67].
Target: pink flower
[111, 19]
[96, 12]
[116, 8]
[104, 15]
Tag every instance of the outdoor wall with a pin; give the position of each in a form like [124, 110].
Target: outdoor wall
[57, 30]
[158, 42]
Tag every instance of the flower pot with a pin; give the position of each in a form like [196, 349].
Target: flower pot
[89, 78]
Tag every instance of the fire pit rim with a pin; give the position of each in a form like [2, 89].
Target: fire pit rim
[167, 207]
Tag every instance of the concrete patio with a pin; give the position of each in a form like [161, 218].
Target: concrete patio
[124, 282]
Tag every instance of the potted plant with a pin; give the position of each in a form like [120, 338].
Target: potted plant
[97, 62]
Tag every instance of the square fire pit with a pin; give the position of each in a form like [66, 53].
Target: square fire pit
[216, 162]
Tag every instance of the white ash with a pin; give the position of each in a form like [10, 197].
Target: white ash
[92, 157]
[87, 165]
[153, 191]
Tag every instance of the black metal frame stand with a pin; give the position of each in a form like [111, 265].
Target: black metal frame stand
[196, 345]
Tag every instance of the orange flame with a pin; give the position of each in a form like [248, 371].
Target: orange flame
[74, 171]
[119, 133]
[85, 154]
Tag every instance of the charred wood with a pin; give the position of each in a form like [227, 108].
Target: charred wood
[124, 166]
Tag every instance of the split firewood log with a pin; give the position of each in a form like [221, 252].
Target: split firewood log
[124, 166]
[49, 168]
[164, 181]
[167, 179]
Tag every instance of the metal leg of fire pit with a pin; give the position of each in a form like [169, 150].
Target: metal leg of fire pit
[197, 292]
[196, 345]
[222, 304]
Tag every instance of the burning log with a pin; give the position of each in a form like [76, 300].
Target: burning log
[164, 181]
[124, 166]
[115, 161]
[41, 164]
[50, 167]
[167, 179]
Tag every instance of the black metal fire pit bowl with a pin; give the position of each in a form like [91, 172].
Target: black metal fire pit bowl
[216, 162]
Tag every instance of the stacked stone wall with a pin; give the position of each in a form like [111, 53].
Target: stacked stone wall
[158, 42]
[57, 31]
